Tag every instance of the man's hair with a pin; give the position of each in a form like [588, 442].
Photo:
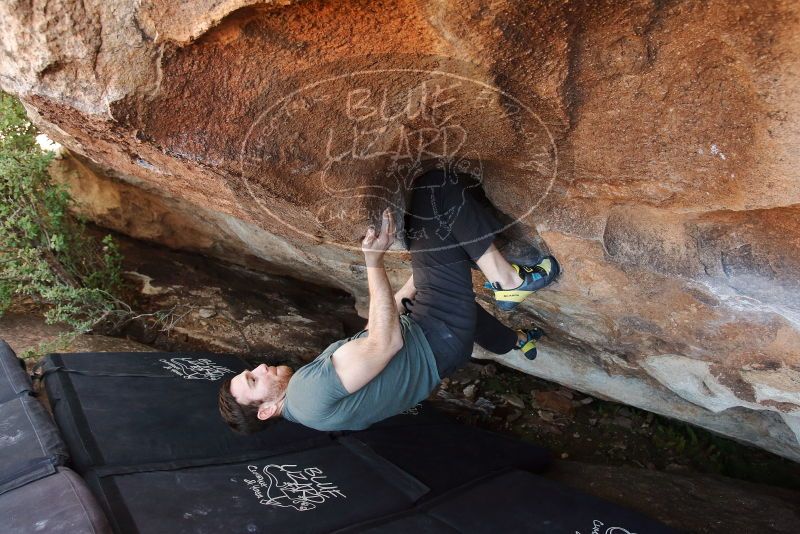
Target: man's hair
[242, 418]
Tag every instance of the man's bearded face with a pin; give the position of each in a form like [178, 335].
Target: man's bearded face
[262, 384]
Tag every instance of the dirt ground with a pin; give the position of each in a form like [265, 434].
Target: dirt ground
[582, 428]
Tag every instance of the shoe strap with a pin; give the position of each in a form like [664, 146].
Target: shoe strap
[532, 269]
[522, 343]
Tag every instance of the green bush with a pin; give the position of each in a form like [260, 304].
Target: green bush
[45, 251]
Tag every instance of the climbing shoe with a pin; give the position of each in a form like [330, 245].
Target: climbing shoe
[528, 345]
[534, 277]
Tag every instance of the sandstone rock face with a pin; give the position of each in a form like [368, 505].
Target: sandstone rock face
[652, 146]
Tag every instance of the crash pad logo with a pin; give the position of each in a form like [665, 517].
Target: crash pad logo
[414, 410]
[598, 527]
[195, 368]
[288, 486]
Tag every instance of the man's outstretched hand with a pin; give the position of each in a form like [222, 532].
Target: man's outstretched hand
[375, 246]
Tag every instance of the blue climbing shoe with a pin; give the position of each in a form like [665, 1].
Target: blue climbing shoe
[534, 278]
[528, 345]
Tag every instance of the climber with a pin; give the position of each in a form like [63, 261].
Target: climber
[411, 341]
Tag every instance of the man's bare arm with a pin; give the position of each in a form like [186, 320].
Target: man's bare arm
[385, 329]
[360, 360]
[408, 291]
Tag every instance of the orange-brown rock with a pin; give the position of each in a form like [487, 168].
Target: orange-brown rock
[652, 146]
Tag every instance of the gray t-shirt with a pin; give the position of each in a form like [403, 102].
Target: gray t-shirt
[316, 397]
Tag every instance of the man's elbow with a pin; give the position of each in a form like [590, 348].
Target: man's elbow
[395, 343]
[389, 345]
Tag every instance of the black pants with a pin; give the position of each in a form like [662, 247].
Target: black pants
[446, 228]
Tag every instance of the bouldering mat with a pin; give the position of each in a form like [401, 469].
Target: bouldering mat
[315, 490]
[514, 502]
[13, 378]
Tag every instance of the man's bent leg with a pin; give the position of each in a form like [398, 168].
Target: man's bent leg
[496, 268]
[472, 226]
[491, 334]
[445, 301]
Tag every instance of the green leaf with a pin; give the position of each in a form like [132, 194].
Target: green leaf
[45, 251]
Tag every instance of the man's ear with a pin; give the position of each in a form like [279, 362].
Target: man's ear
[265, 411]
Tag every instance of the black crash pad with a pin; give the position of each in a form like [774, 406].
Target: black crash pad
[448, 454]
[514, 502]
[315, 490]
[13, 378]
[58, 504]
[30, 446]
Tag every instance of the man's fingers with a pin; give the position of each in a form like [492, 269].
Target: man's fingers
[370, 237]
[385, 222]
[391, 224]
[385, 237]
